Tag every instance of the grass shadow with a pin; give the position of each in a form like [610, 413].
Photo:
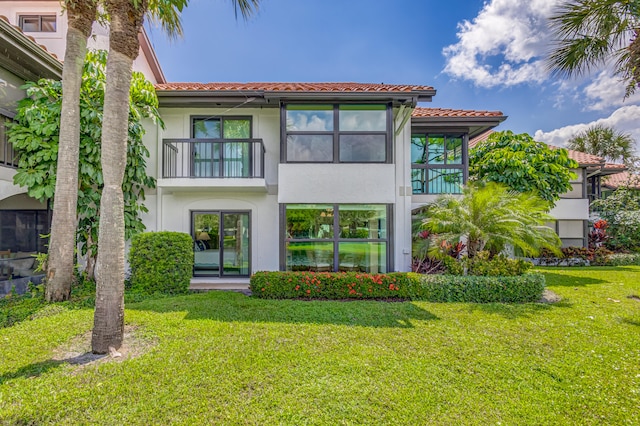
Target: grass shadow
[229, 306]
[515, 311]
[631, 322]
[39, 368]
[562, 280]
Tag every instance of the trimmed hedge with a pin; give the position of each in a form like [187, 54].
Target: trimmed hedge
[161, 262]
[397, 285]
[327, 285]
[478, 289]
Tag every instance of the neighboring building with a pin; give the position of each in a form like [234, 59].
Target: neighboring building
[572, 210]
[45, 21]
[620, 180]
[22, 218]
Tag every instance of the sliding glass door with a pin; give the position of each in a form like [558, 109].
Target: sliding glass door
[221, 243]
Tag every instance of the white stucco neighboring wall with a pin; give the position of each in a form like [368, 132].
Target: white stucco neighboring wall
[571, 209]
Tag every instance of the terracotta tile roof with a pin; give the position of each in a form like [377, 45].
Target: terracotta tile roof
[445, 112]
[621, 179]
[293, 87]
[582, 157]
[42, 46]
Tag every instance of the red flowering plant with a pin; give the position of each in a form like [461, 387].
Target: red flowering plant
[598, 234]
[328, 285]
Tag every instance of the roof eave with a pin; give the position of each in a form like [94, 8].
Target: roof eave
[33, 62]
[152, 59]
[179, 97]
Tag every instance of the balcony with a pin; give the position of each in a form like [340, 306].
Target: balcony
[206, 164]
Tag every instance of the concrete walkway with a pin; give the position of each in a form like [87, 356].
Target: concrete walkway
[199, 284]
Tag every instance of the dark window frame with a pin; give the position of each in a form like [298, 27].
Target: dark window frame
[336, 239]
[21, 19]
[463, 165]
[41, 216]
[221, 213]
[336, 133]
[221, 118]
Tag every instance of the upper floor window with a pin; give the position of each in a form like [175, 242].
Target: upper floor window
[337, 133]
[437, 163]
[225, 149]
[37, 23]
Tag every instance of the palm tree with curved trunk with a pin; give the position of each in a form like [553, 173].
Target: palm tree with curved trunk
[605, 142]
[590, 34]
[126, 19]
[80, 15]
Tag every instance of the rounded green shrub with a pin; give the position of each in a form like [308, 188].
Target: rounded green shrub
[161, 262]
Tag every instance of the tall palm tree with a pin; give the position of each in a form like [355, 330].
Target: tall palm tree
[591, 33]
[126, 18]
[80, 16]
[604, 142]
[489, 216]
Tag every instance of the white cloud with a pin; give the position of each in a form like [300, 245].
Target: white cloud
[607, 91]
[513, 32]
[623, 119]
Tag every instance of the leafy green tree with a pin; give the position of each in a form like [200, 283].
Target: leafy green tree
[489, 216]
[592, 33]
[36, 132]
[605, 142]
[522, 164]
[621, 210]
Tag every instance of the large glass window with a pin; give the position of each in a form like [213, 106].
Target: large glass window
[226, 152]
[337, 133]
[437, 163]
[330, 237]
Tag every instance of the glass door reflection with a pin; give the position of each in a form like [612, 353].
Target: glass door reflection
[221, 244]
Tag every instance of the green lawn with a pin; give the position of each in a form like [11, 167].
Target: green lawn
[223, 358]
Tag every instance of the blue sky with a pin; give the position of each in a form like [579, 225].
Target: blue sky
[477, 54]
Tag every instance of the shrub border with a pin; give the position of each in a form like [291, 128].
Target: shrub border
[397, 285]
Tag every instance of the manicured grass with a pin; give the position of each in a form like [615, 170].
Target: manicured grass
[223, 358]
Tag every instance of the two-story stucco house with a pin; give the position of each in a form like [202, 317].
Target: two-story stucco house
[303, 176]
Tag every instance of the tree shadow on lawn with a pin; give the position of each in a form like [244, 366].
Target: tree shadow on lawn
[39, 368]
[562, 280]
[229, 306]
[631, 322]
[517, 310]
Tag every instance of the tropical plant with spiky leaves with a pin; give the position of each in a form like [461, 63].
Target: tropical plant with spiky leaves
[489, 216]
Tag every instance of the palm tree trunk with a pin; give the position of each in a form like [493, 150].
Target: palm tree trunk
[108, 322]
[63, 227]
